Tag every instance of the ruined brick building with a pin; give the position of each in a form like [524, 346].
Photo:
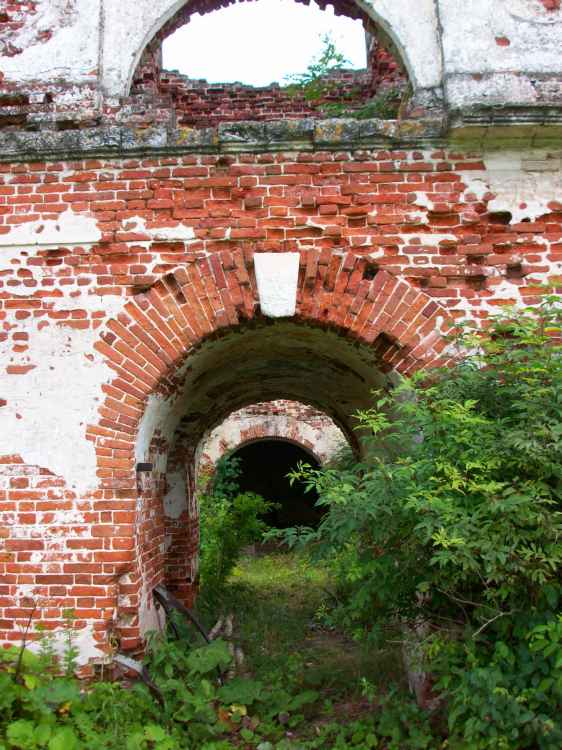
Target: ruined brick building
[171, 252]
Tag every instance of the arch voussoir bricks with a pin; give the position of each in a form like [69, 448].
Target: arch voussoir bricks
[157, 330]
[149, 343]
[288, 421]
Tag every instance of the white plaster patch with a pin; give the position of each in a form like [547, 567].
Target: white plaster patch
[523, 183]
[431, 238]
[179, 233]
[532, 11]
[69, 229]
[277, 277]
[71, 55]
[175, 500]
[474, 185]
[83, 640]
[159, 413]
[150, 618]
[423, 201]
[49, 407]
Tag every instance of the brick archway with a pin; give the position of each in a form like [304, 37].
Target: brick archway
[150, 346]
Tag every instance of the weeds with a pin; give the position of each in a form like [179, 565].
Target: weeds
[304, 687]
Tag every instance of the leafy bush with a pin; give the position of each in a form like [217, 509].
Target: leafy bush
[453, 519]
[229, 521]
[314, 84]
[384, 105]
[41, 709]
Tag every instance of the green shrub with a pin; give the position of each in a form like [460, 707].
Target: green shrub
[384, 105]
[453, 519]
[314, 84]
[229, 521]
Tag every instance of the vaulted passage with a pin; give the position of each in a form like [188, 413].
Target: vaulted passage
[210, 339]
[264, 466]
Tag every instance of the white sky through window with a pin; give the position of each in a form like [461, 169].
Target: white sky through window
[260, 42]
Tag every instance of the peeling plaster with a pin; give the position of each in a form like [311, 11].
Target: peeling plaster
[523, 183]
[56, 400]
[83, 640]
[179, 233]
[175, 500]
[326, 440]
[71, 54]
[69, 229]
[423, 201]
[159, 414]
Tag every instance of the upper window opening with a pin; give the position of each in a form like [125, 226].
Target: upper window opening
[212, 64]
[261, 42]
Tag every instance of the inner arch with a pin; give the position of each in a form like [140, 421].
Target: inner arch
[264, 466]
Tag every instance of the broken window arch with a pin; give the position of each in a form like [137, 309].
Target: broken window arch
[198, 103]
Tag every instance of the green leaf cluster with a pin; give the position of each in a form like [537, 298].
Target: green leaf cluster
[229, 520]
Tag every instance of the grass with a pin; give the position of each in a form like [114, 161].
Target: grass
[278, 600]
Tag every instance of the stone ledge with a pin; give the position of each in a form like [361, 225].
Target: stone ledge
[234, 137]
[527, 126]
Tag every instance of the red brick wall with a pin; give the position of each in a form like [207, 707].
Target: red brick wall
[375, 267]
[310, 201]
[203, 104]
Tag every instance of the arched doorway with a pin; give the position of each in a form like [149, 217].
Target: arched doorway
[264, 469]
[208, 339]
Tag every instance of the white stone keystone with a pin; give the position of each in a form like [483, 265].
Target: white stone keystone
[277, 277]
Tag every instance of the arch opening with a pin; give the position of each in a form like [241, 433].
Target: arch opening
[264, 468]
[184, 362]
[250, 53]
[260, 361]
[345, 91]
[271, 438]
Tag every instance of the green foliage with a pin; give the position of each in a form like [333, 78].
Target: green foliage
[46, 710]
[454, 519]
[316, 86]
[385, 105]
[276, 710]
[450, 526]
[314, 83]
[229, 521]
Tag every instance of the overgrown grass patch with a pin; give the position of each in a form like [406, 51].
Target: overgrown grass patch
[279, 601]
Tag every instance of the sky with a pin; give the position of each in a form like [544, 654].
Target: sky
[260, 42]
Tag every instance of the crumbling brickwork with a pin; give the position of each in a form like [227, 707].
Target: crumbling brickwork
[116, 269]
[157, 276]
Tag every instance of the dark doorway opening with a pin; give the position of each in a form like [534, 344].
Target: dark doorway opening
[264, 468]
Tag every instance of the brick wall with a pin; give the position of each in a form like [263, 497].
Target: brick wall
[130, 324]
[202, 104]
